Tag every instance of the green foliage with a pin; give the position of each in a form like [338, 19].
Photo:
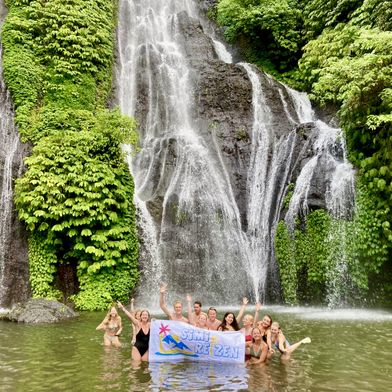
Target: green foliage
[352, 66]
[302, 257]
[43, 262]
[270, 28]
[285, 255]
[321, 14]
[98, 291]
[374, 13]
[57, 53]
[289, 195]
[77, 192]
[333, 261]
[76, 196]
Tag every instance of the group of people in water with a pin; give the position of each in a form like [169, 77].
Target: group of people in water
[263, 338]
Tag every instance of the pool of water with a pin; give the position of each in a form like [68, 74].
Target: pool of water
[350, 351]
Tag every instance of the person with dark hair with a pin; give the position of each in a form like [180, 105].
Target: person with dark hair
[142, 329]
[194, 316]
[265, 327]
[229, 323]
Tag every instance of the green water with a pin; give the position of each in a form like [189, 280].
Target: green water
[350, 351]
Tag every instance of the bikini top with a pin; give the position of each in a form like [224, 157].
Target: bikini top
[254, 354]
[111, 327]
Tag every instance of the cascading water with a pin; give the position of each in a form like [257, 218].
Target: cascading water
[13, 260]
[330, 152]
[177, 166]
[202, 237]
[266, 183]
[9, 142]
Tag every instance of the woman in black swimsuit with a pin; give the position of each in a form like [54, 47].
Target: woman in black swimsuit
[142, 329]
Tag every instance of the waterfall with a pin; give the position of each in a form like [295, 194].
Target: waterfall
[13, 269]
[9, 142]
[329, 151]
[265, 183]
[201, 234]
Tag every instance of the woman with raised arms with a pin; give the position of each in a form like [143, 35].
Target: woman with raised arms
[230, 322]
[142, 329]
[112, 327]
[280, 342]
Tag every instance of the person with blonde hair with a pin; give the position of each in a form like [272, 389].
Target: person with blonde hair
[257, 349]
[142, 336]
[176, 315]
[280, 342]
[112, 327]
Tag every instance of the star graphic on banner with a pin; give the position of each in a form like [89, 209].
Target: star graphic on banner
[164, 329]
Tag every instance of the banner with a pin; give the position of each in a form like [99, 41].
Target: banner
[176, 339]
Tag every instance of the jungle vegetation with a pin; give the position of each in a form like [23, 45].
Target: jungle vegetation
[340, 52]
[76, 197]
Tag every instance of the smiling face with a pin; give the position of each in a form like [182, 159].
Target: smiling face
[178, 308]
[229, 318]
[256, 334]
[202, 320]
[266, 322]
[197, 308]
[137, 315]
[275, 328]
[248, 321]
[212, 314]
[144, 316]
[113, 312]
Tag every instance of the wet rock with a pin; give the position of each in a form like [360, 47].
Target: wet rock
[14, 269]
[40, 310]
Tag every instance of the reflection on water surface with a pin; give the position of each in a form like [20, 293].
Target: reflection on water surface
[350, 351]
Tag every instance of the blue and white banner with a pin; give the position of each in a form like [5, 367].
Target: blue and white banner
[175, 339]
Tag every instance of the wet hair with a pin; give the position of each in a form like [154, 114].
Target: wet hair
[197, 303]
[234, 324]
[177, 302]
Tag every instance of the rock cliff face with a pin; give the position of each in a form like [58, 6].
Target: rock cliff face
[219, 145]
[14, 280]
[220, 142]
